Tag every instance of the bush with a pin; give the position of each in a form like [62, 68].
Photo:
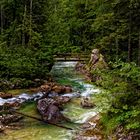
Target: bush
[24, 63]
[123, 83]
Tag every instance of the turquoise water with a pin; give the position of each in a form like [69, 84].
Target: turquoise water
[35, 130]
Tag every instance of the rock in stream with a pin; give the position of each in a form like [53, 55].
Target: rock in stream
[50, 109]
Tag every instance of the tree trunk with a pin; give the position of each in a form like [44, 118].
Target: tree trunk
[117, 47]
[86, 4]
[23, 26]
[1, 18]
[129, 47]
[129, 39]
[139, 51]
[31, 6]
[38, 119]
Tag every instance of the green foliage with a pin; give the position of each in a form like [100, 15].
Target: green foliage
[123, 97]
[23, 55]
[21, 64]
[74, 26]
[109, 123]
[76, 85]
[111, 26]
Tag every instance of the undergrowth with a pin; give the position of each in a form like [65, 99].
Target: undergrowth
[121, 96]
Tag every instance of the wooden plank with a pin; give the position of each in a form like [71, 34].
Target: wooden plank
[71, 59]
[38, 119]
[70, 54]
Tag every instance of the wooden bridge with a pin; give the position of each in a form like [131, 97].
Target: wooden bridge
[71, 57]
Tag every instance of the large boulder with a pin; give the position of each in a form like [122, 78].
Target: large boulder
[53, 114]
[45, 88]
[50, 110]
[60, 100]
[5, 95]
[58, 89]
[97, 60]
[55, 88]
[67, 89]
[86, 103]
[62, 89]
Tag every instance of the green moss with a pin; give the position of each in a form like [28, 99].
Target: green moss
[75, 85]
[29, 109]
[109, 124]
[18, 91]
[120, 101]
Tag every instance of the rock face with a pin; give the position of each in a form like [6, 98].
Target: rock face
[50, 110]
[97, 60]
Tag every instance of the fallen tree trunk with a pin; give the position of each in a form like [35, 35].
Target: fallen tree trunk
[41, 120]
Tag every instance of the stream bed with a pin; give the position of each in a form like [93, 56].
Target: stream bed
[35, 130]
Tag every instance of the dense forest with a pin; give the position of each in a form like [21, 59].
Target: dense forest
[31, 31]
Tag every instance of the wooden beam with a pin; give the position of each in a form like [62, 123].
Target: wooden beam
[38, 119]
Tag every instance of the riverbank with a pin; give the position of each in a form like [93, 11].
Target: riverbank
[32, 129]
[119, 100]
[107, 128]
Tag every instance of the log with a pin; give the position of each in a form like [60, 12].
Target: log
[38, 119]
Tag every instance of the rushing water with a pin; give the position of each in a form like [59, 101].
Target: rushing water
[34, 130]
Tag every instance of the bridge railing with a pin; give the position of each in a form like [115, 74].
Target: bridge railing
[71, 57]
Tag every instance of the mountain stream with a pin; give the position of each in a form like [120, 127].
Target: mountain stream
[35, 130]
